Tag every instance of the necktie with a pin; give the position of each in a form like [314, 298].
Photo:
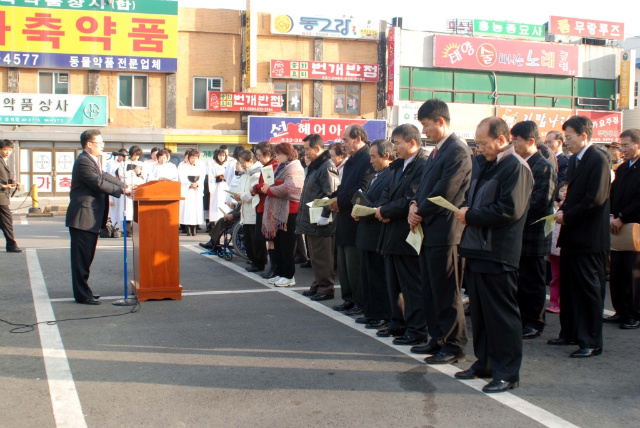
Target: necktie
[434, 152]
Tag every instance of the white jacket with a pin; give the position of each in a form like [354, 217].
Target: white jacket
[247, 181]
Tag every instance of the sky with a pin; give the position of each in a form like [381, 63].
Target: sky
[423, 15]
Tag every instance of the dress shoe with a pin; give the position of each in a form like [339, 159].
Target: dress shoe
[254, 268]
[355, 310]
[91, 302]
[319, 297]
[444, 358]
[471, 373]
[529, 332]
[560, 342]
[14, 250]
[613, 319]
[409, 340]
[429, 348]
[376, 324]
[271, 273]
[309, 293]
[345, 306]
[206, 246]
[630, 324]
[306, 264]
[586, 352]
[363, 320]
[389, 332]
[499, 386]
[299, 261]
[96, 296]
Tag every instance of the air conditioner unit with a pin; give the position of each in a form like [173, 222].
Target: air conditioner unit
[595, 102]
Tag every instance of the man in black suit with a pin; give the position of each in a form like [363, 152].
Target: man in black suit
[532, 284]
[554, 141]
[584, 239]
[447, 174]
[624, 282]
[6, 187]
[494, 215]
[402, 262]
[88, 210]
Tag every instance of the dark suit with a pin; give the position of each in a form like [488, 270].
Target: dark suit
[625, 265]
[535, 245]
[583, 239]
[86, 215]
[6, 219]
[563, 164]
[447, 173]
[401, 260]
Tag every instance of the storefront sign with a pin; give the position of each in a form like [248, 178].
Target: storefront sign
[474, 53]
[547, 119]
[460, 26]
[607, 125]
[244, 101]
[627, 79]
[586, 28]
[140, 35]
[483, 27]
[46, 109]
[326, 26]
[294, 129]
[320, 70]
[393, 66]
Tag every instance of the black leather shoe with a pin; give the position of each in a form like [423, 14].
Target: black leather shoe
[499, 386]
[630, 324]
[613, 319]
[429, 348]
[271, 273]
[376, 324]
[91, 302]
[444, 358]
[254, 268]
[14, 250]
[309, 293]
[355, 310]
[306, 264]
[206, 246]
[409, 340]
[319, 297]
[387, 332]
[529, 332]
[363, 320]
[560, 342]
[471, 373]
[96, 296]
[345, 306]
[586, 352]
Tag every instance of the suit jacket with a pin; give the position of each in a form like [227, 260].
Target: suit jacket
[625, 193]
[357, 174]
[534, 242]
[5, 174]
[448, 174]
[586, 207]
[369, 227]
[563, 163]
[88, 197]
[396, 200]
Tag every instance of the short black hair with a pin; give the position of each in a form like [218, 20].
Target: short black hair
[155, 149]
[408, 132]
[314, 140]
[383, 148]
[497, 127]
[356, 131]
[633, 134]
[526, 129]
[580, 124]
[135, 150]
[434, 109]
[266, 148]
[6, 143]
[224, 147]
[87, 136]
[245, 156]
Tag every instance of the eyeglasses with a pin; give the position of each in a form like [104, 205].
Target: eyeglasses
[100, 143]
[626, 146]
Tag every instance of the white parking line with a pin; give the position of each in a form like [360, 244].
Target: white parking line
[67, 410]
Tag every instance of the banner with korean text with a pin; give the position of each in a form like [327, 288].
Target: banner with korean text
[325, 26]
[475, 53]
[294, 129]
[125, 35]
[483, 27]
[586, 28]
[547, 119]
[48, 109]
[321, 70]
[243, 101]
[607, 125]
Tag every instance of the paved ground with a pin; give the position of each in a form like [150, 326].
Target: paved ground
[235, 352]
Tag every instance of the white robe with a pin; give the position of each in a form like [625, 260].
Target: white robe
[167, 171]
[216, 191]
[124, 204]
[191, 208]
[114, 210]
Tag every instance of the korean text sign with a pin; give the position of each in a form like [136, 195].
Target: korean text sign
[483, 27]
[320, 70]
[607, 125]
[126, 35]
[48, 109]
[547, 119]
[586, 28]
[475, 53]
[325, 26]
[243, 101]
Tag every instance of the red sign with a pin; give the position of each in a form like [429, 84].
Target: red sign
[475, 53]
[607, 125]
[547, 119]
[320, 70]
[586, 28]
[244, 101]
[391, 66]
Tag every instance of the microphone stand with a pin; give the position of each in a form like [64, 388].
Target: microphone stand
[133, 300]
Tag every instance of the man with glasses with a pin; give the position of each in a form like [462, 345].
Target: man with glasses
[584, 239]
[87, 212]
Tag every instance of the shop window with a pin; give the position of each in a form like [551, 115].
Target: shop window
[53, 82]
[291, 95]
[133, 91]
[346, 99]
[201, 86]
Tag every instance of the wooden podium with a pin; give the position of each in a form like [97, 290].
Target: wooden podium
[156, 207]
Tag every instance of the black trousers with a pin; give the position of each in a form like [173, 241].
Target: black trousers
[403, 276]
[256, 250]
[375, 296]
[284, 244]
[532, 291]
[496, 324]
[6, 224]
[441, 291]
[624, 283]
[582, 279]
[83, 250]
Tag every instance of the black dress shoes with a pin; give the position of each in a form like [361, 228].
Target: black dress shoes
[389, 332]
[309, 293]
[306, 264]
[586, 352]
[376, 324]
[560, 342]
[96, 296]
[408, 339]
[471, 373]
[529, 332]
[429, 348]
[630, 324]
[613, 319]
[444, 358]
[271, 273]
[363, 320]
[345, 306]
[207, 246]
[254, 268]
[319, 297]
[14, 250]
[90, 302]
[355, 310]
[499, 386]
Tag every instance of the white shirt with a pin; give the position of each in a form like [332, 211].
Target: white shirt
[408, 161]
[584, 150]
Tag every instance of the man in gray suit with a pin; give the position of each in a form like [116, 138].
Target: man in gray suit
[88, 210]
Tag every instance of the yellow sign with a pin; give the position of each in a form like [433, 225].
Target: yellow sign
[625, 81]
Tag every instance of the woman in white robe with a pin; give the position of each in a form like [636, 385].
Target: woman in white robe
[163, 169]
[130, 172]
[217, 186]
[192, 187]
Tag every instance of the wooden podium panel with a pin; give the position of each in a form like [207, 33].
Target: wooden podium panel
[156, 209]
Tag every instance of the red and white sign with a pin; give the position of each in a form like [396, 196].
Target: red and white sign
[43, 182]
[320, 70]
[63, 183]
[475, 53]
[547, 119]
[243, 101]
[586, 28]
[607, 125]
[392, 67]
